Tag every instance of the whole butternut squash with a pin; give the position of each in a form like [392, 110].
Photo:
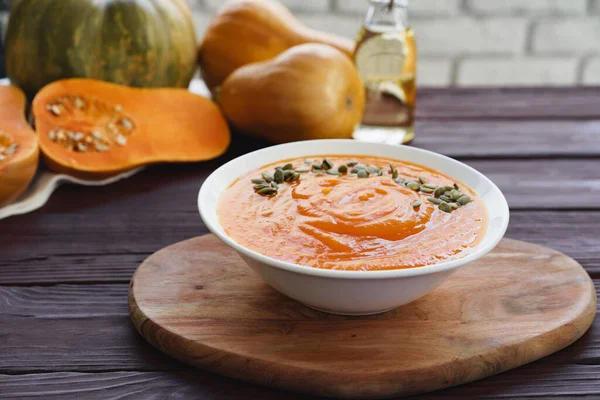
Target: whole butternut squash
[19, 150]
[311, 91]
[248, 31]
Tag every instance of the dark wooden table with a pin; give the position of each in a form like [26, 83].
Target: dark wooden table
[64, 270]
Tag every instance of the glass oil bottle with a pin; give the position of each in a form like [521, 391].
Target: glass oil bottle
[386, 58]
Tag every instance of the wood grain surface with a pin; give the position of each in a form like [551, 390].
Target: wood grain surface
[65, 332]
[197, 301]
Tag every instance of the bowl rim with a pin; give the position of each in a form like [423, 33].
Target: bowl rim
[479, 252]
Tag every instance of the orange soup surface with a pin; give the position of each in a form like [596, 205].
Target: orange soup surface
[349, 222]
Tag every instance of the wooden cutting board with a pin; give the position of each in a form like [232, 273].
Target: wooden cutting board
[197, 301]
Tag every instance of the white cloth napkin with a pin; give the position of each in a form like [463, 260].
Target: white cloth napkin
[45, 182]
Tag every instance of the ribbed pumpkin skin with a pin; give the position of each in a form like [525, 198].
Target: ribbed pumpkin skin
[140, 43]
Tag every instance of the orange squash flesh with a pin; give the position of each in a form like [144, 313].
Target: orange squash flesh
[92, 128]
[19, 150]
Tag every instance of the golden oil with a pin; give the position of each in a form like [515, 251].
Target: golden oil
[386, 59]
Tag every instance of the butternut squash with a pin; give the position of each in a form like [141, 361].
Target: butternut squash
[92, 128]
[19, 150]
[248, 31]
[311, 91]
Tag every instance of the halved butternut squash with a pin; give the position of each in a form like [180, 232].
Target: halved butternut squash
[92, 128]
[19, 150]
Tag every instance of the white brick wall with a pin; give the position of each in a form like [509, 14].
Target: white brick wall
[476, 42]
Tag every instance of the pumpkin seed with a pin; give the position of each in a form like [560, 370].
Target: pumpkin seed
[352, 163]
[463, 200]
[97, 134]
[426, 189]
[343, 169]
[417, 203]
[447, 192]
[456, 186]
[317, 165]
[439, 191]
[127, 124]
[453, 205]
[288, 166]
[360, 166]
[302, 170]
[363, 173]
[445, 198]
[455, 194]
[413, 185]
[399, 181]
[78, 136]
[354, 170]
[430, 185]
[372, 169]
[288, 175]
[268, 191]
[394, 173]
[445, 207]
[101, 147]
[326, 164]
[332, 172]
[261, 186]
[274, 185]
[55, 109]
[81, 147]
[422, 180]
[79, 103]
[308, 161]
[118, 108]
[295, 176]
[52, 135]
[121, 140]
[448, 188]
[267, 176]
[434, 200]
[12, 149]
[278, 176]
[259, 181]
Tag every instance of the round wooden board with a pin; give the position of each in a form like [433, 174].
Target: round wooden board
[198, 301]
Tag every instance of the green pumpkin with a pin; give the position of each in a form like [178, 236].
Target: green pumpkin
[141, 43]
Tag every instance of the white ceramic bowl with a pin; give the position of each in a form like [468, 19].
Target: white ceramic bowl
[352, 292]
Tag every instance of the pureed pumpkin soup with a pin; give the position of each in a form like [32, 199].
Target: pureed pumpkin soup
[353, 213]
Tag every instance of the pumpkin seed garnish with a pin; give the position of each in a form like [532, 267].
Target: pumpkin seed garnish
[287, 166]
[399, 181]
[302, 170]
[439, 191]
[453, 205]
[434, 200]
[287, 175]
[332, 172]
[360, 166]
[447, 192]
[268, 191]
[445, 207]
[422, 180]
[326, 164]
[259, 181]
[317, 165]
[372, 169]
[267, 176]
[308, 161]
[413, 185]
[274, 185]
[79, 103]
[352, 163]
[417, 203]
[278, 176]
[426, 189]
[261, 186]
[463, 200]
[445, 198]
[121, 140]
[343, 169]
[363, 173]
[456, 186]
[455, 194]
[448, 188]
[430, 186]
